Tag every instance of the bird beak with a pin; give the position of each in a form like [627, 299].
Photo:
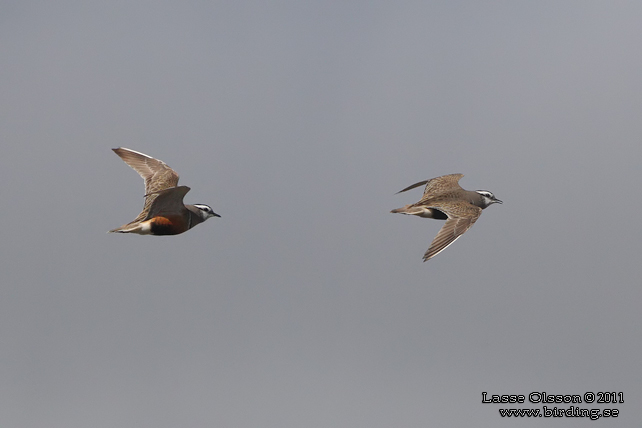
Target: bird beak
[215, 215]
[498, 201]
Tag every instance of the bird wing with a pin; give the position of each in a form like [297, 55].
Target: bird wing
[421, 183]
[156, 173]
[460, 218]
[438, 185]
[441, 185]
[167, 201]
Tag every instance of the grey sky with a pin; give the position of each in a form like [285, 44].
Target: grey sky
[307, 304]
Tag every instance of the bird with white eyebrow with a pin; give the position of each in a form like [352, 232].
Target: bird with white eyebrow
[445, 199]
[164, 212]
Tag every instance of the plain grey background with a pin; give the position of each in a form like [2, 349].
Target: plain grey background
[307, 304]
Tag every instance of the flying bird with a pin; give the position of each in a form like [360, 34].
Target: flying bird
[444, 199]
[164, 212]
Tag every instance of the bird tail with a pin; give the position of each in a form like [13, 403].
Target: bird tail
[117, 230]
[127, 228]
[408, 209]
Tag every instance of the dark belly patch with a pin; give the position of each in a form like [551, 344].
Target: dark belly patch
[167, 225]
[438, 215]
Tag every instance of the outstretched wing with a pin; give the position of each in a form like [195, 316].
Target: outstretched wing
[157, 175]
[421, 183]
[167, 201]
[460, 219]
[437, 185]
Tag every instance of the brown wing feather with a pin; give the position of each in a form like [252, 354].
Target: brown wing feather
[421, 183]
[165, 201]
[460, 218]
[156, 173]
[441, 185]
[168, 201]
[438, 185]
